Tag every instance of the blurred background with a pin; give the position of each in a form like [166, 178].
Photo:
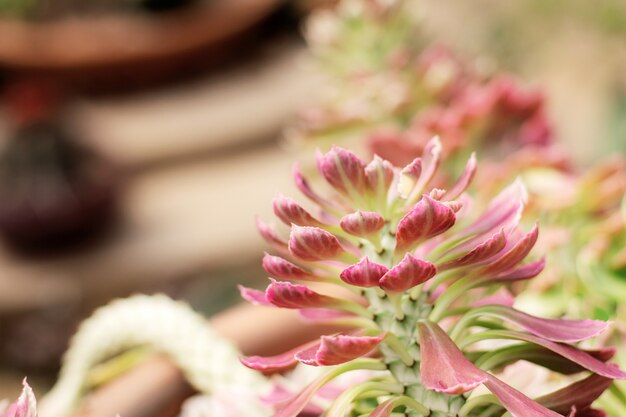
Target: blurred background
[140, 138]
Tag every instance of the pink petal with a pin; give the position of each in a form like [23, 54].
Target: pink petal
[555, 330]
[480, 253]
[516, 254]
[362, 223]
[502, 297]
[287, 295]
[289, 211]
[363, 274]
[277, 363]
[305, 189]
[335, 350]
[413, 170]
[343, 170]
[322, 314]
[252, 296]
[296, 404]
[431, 159]
[407, 274]
[409, 176]
[571, 353]
[427, 219]
[281, 268]
[379, 174]
[464, 180]
[525, 272]
[580, 394]
[443, 366]
[515, 402]
[270, 235]
[504, 210]
[313, 244]
[25, 406]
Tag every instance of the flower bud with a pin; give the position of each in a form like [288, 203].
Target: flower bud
[363, 274]
[287, 295]
[281, 268]
[379, 174]
[343, 170]
[362, 223]
[290, 212]
[313, 244]
[427, 219]
[407, 274]
[335, 350]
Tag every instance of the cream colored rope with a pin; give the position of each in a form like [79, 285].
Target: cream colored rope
[209, 362]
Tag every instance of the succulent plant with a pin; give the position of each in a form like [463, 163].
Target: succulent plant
[421, 280]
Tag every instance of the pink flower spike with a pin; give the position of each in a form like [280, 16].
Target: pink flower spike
[343, 170]
[252, 296]
[335, 350]
[363, 274]
[379, 174]
[443, 366]
[516, 254]
[464, 180]
[283, 269]
[362, 223]
[313, 244]
[427, 219]
[25, 406]
[277, 363]
[287, 295]
[290, 212]
[556, 330]
[407, 274]
[515, 402]
[480, 253]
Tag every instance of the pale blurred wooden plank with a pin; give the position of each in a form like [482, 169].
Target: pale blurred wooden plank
[249, 103]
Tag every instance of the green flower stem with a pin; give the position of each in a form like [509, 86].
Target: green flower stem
[344, 402]
[479, 401]
[442, 277]
[409, 403]
[396, 301]
[452, 293]
[355, 308]
[486, 335]
[394, 343]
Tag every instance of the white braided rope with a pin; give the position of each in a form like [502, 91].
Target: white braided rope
[208, 361]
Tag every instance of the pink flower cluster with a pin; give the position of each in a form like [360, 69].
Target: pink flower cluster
[466, 112]
[421, 279]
